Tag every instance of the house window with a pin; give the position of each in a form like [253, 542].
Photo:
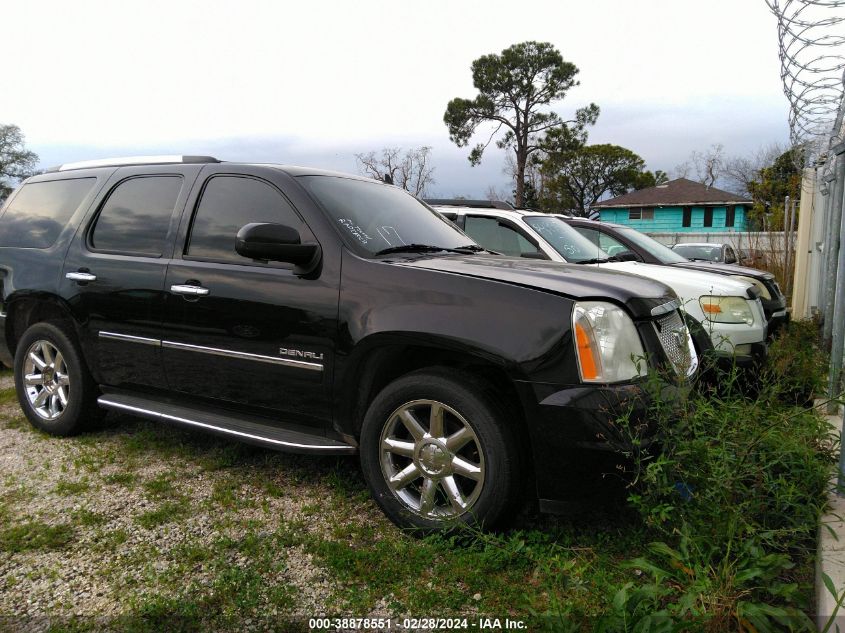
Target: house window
[708, 216]
[648, 214]
[687, 220]
[635, 214]
[730, 216]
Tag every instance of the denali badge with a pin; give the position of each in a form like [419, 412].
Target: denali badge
[295, 353]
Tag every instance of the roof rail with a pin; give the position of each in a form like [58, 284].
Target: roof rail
[474, 204]
[135, 160]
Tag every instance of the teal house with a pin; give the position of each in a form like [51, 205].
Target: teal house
[677, 206]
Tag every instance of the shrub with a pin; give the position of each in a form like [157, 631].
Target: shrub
[734, 492]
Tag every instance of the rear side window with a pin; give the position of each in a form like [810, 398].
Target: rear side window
[41, 210]
[136, 216]
[227, 204]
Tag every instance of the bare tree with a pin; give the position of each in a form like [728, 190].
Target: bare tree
[682, 170]
[706, 167]
[741, 171]
[412, 171]
[493, 194]
[709, 164]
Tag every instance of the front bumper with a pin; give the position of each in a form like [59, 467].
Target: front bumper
[744, 357]
[568, 424]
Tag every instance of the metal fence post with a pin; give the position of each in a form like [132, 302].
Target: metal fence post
[831, 245]
[827, 191]
[838, 313]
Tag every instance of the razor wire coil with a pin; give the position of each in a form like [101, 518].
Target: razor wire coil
[811, 48]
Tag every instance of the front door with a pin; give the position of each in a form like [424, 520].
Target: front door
[240, 333]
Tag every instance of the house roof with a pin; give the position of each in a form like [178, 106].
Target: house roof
[680, 191]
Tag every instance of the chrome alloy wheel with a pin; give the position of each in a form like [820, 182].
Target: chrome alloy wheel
[46, 380]
[431, 459]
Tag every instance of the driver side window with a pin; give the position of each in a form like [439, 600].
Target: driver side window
[226, 205]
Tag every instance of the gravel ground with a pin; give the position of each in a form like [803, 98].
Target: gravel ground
[139, 526]
[106, 486]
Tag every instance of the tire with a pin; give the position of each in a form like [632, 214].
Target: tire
[61, 397]
[468, 473]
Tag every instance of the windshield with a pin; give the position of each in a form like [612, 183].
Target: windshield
[573, 246]
[373, 217]
[663, 253]
[710, 253]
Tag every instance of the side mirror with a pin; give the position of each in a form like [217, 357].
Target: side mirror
[276, 243]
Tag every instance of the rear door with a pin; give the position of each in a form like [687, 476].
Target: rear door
[240, 333]
[113, 275]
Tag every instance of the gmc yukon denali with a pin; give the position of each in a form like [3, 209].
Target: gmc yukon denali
[316, 312]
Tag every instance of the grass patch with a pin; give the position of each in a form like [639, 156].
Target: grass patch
[35, 535]
[87, 518]
[70, 488]
[160, 487]
[109, 540]
[125, 479]
[8, 395]
[18, 423]
[167, 512]
[245, 584]
[227, 493]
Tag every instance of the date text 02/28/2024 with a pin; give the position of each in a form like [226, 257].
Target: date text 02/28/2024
[413, 624]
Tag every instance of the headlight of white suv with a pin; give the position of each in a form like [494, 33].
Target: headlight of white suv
[726, 309]
[607, 343]
[764, 292]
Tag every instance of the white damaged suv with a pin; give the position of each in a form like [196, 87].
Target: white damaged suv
[728, 310]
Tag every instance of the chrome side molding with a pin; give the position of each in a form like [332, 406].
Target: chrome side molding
[143, 340]
[214, 351]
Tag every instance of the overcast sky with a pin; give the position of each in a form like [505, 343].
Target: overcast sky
[314, 83]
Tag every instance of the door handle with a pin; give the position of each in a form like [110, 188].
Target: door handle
[81, 276]
[186, 289]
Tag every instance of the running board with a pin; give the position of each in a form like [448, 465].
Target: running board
[239, 428]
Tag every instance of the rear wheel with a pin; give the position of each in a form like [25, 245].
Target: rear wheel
[437, 452]
[54, 387]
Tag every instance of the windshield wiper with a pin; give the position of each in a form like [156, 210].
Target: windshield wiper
[428, 248]
[596, 260]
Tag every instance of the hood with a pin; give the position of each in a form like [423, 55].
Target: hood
[725, 269]
[688, 284]
[638, 294]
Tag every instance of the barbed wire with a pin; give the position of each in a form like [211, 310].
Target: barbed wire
[811, 48]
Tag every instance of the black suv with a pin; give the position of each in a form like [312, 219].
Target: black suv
[316, 312]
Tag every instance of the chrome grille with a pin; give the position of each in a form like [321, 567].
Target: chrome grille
[677, 343]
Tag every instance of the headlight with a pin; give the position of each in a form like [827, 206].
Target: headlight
[726, 309]
[764, 292]
[607, 343]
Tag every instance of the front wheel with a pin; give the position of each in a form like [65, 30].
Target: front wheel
[437, 452]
